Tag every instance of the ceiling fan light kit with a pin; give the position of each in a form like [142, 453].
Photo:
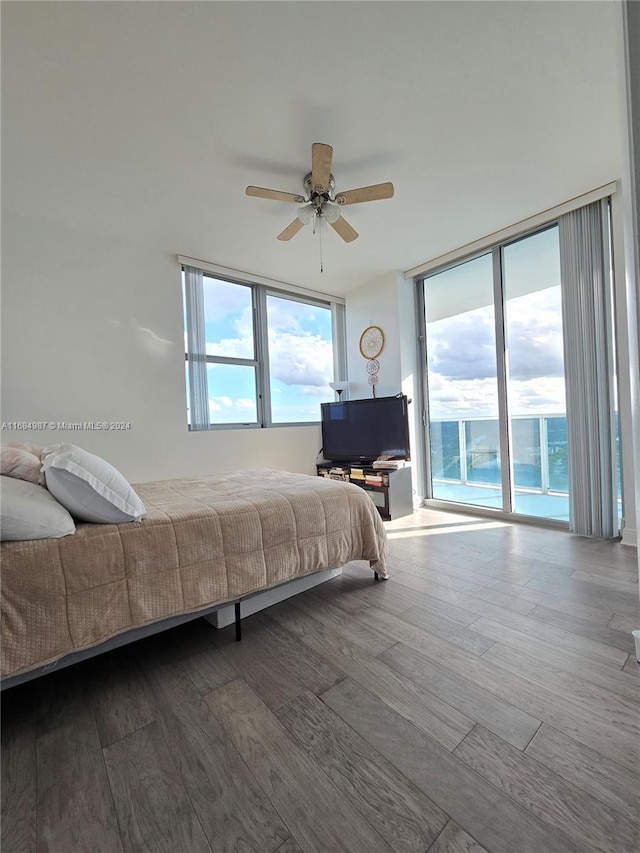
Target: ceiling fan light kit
[330, 212]
[320, 204]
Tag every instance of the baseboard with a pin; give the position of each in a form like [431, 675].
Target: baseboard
[226, 615]
[629, 537]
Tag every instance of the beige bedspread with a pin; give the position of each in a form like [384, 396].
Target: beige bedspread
[205, 541]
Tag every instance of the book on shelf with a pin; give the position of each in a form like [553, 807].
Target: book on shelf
[338, 473]
[374, 480]
[388, 464]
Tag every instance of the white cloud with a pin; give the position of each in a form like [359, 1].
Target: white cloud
[463, 346]
[462, 361]
[223, 298]
[305, 361]
[534, 335]
[225, 410]
[542, 394]
[231, 348]
[452, 399]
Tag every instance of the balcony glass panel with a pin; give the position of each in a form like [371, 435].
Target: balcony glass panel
[445, 450]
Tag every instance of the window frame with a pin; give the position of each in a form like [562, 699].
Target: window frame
[260, 290]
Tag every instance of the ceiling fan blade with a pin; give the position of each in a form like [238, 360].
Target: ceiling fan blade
[344, 229]
[321, 155]
[275, 195]
[291, 230]
[377, 191]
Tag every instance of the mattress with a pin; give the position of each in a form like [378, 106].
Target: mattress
[205, 541]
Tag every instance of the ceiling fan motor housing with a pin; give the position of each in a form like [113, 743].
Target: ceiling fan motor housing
[318, 195]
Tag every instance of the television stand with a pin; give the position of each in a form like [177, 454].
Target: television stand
[390, 490]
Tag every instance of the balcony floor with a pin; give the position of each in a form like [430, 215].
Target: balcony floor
[534, 504]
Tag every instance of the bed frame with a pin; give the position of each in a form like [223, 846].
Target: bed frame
[253, 602]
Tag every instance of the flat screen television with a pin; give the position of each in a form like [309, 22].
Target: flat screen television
[364, 430]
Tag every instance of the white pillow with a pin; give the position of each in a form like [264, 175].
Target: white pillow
[90, 488]
[30, 512]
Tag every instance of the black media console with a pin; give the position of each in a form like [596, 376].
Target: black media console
[390, 490]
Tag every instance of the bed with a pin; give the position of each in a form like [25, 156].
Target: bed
[205, 542]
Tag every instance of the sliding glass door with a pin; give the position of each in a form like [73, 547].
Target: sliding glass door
[495, 378]
[463, 386]
[535, 386]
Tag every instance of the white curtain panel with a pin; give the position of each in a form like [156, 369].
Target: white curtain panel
[196, 349]
[589, 370]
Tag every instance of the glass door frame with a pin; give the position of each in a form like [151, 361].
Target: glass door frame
[422, 386]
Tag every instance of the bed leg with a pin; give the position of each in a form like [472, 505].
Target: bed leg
[375, 576]
[238, 623]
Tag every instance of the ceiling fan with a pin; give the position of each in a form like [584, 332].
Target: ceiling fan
[320, 202]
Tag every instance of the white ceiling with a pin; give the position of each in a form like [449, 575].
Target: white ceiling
[145, 121]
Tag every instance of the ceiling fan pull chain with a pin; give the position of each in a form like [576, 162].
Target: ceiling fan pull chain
[320, 236]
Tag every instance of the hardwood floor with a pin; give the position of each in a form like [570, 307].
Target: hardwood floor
[485, 698]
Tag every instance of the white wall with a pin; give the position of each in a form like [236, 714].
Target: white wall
[388, 302]
[92, 331]
[374, 304]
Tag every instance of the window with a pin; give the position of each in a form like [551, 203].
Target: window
[256, 356]
[300, 358]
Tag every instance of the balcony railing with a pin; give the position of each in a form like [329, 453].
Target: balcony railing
[467, 452]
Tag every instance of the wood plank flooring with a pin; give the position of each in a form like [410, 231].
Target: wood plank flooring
[484, 699]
